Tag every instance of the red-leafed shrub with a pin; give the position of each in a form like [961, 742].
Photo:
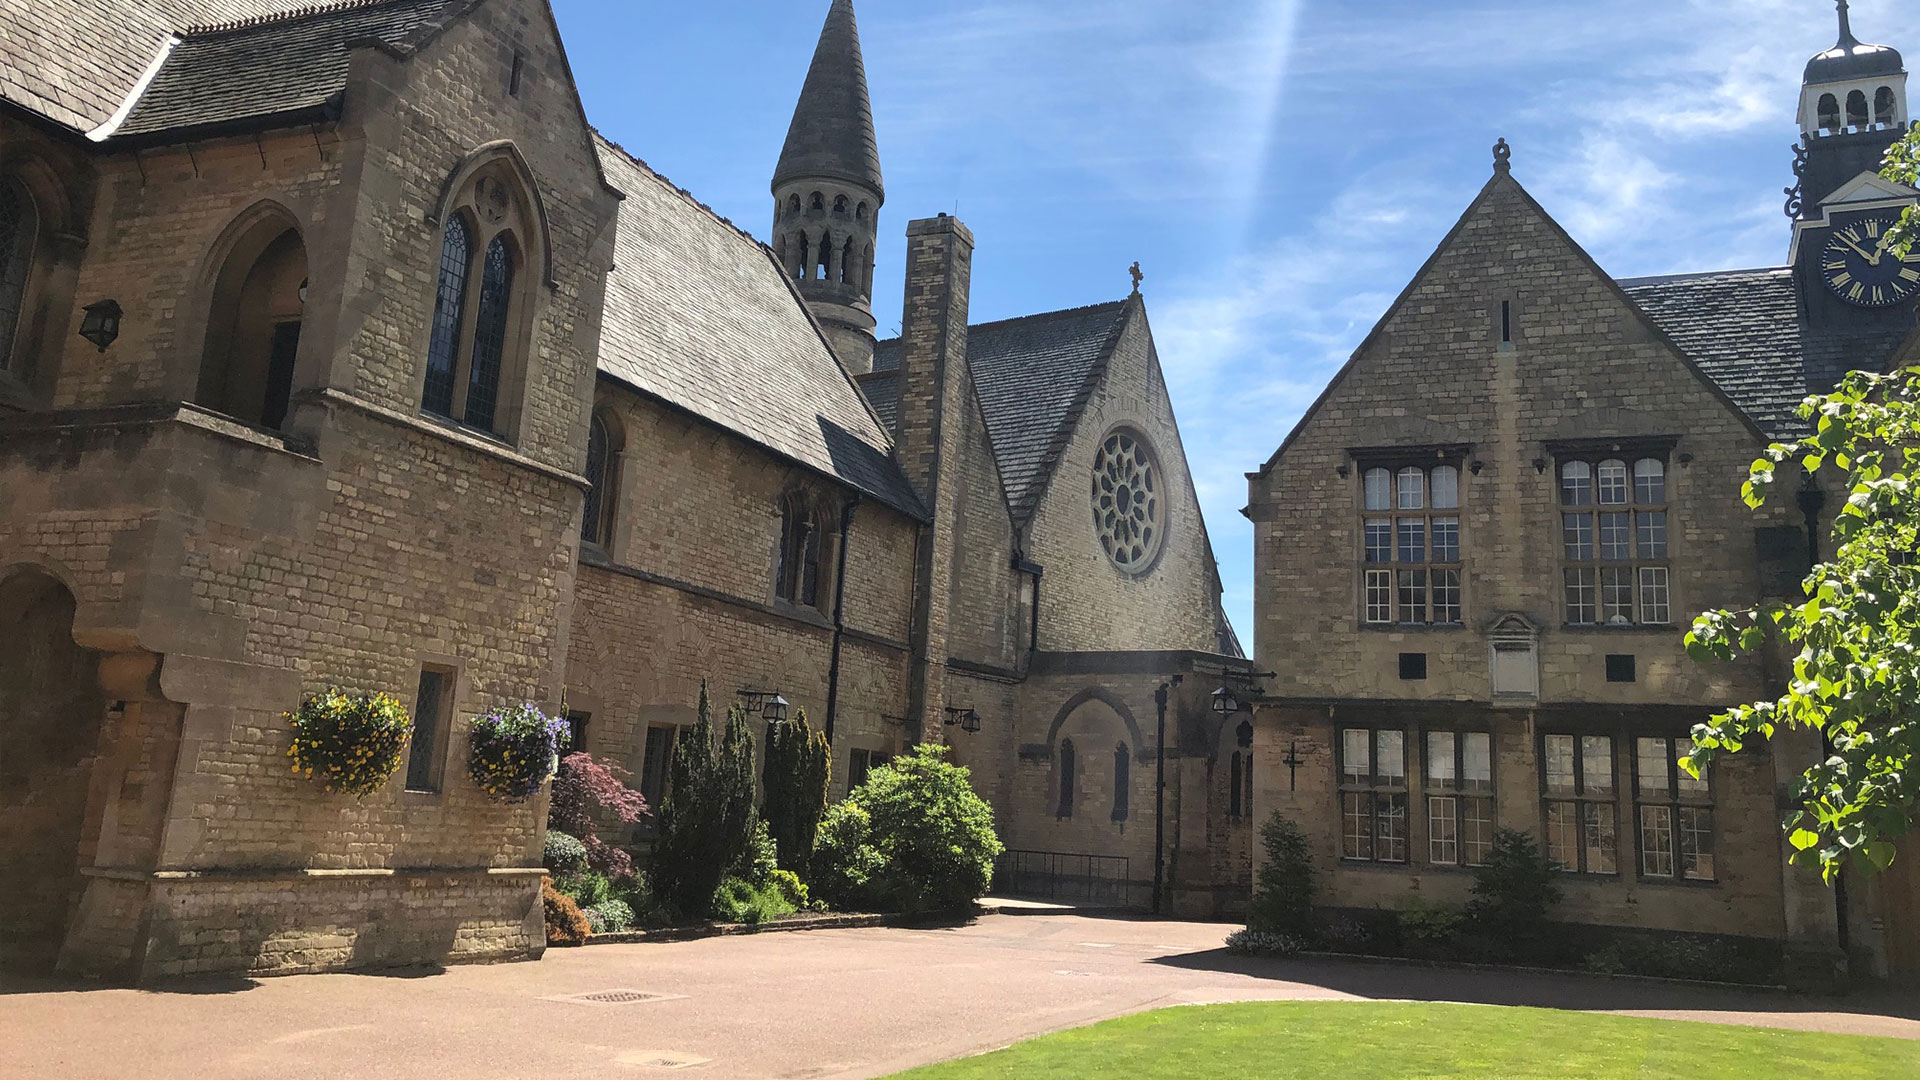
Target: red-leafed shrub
[566, 924]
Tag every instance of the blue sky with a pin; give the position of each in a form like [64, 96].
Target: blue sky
[1280, 168]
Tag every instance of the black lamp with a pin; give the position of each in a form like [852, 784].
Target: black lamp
[1224, 702]
[100, 323]
[775, 710]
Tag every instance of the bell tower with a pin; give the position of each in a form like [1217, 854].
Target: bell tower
[827, 192]
[1853, 106]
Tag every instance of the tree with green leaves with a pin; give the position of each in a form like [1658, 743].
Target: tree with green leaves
[707, 819]
[1856, 676]
[794, 780]
[1284, 888]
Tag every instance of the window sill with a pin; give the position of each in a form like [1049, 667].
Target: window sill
[1411, 628]
[1660, 882]
[1636, 628]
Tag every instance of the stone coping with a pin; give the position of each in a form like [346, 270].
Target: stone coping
[804, 922]
[301, 874]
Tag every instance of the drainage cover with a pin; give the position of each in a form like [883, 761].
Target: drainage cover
[613, 997]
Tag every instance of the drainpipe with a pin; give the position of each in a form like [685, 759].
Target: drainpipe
[1812, 500]
[1160, 789]
[839, 612]
[1033, 630]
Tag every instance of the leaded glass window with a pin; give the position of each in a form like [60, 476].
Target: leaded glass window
[603, 484]
[1459, 797]
[1613, 528]
[1373, 795]
[798, 580]
[449, 302]
[1410, 536]
[1576, 780]
[19, 224]
[1674, 811]
[490, 334]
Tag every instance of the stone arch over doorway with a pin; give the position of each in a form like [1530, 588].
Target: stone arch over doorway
[51, 711]
[254, 315]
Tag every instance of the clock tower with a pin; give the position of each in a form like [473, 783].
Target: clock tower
[1853, 106]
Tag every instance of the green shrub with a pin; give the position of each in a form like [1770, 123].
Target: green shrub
[758, 863]
[609, 916]
[917, 838]
[566, 925]
[740, 901]
[844, 858]
[1283, 890]
[792, 888]
[707, 820]
[351, 743]
[1263, 943]
[564, 854]
[795, 779]
[1513, 891]
[1431, 923]
[586, 888]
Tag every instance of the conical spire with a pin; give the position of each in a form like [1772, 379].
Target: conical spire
[832, 131]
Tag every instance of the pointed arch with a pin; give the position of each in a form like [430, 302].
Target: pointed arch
[1068, 768]
[254, 303]
[19, 235]
[606, 441]
[505, 152]
[1110, 700]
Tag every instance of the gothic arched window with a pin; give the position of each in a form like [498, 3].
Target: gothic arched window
[477, 348]
[839, 204]
[19, 224]
[798, 581]
[823, 259]
[849, 272]
[866, 270]
[1857, 109]
[1122, 780]
[1066, 779]
[1829, 110]
[1883, 101]
[800, 267]
[1233, 786]
[819, 201]
[449, 304]
[603, 482]
[490, 334]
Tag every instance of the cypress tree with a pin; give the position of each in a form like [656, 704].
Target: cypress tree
[795, 778]
[706, 820]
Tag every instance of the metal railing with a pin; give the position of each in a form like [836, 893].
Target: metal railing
[1065, 877]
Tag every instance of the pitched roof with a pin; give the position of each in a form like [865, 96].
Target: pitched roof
[699, 315]
[271, 67]
[832, 130]
[76, 61]
[1033, 376]
[1745, 330]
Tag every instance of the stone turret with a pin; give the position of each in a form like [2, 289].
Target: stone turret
[827, 192]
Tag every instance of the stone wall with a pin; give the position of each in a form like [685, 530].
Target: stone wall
[1087, 603]
[1581, 364]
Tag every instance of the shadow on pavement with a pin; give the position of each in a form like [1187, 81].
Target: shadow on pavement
[52, 984]
[1389, 980]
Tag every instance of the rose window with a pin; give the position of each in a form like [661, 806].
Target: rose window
[1129, 513]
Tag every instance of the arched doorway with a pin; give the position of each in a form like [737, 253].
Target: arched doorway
[253, 324]
[51, 708]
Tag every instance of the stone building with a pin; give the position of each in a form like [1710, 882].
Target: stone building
[336, 348]
[1478, 551]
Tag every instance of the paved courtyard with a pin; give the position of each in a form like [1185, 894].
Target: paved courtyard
[823, 1004]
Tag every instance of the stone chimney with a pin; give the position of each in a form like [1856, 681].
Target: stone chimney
[934, 389]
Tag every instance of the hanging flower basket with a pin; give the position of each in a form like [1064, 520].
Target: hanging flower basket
[514, 751]
[351, 743]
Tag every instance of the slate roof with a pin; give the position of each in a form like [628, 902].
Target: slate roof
[699, 315]
[832, 130]
[273, 67]
[1032, 375]
[1744, 329]
[76, 61]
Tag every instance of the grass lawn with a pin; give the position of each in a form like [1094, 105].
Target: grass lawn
[1366, 1040]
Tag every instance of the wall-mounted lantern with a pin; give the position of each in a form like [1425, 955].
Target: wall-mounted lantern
[100, 322]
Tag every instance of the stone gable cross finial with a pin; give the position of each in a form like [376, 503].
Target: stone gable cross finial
[1502, 157]
[1138, 277]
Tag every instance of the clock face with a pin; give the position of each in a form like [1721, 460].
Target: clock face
[1860, 271]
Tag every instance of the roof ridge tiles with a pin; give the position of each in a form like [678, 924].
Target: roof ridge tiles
[1701, 275]
[322, 7]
